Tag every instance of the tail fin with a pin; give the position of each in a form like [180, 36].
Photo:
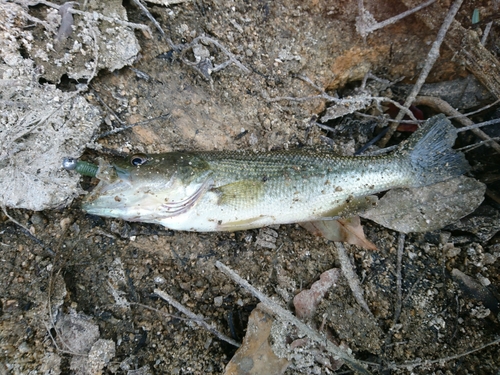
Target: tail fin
[430, 152]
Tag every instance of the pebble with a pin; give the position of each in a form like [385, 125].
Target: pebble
[159, 280]
[218, 301]
[37, 218]
[483, 280]
[489, 258]
[64, 223]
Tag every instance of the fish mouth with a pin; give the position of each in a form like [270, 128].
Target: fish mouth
[109, 197]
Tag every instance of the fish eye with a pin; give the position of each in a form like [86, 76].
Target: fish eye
[138, 159]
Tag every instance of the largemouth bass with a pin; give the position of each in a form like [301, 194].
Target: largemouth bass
[232, 190]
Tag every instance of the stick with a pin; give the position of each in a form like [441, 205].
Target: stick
[445, 359]
[432, 56]
[93, 15]
[198, 319]
[486, 32]
[477, 110]
[476, 145]
[28, 232]
[365, 29]
[350, 275]
[467, 48]
[478, 125]
[152, 19]
[399, 293]
[443, 106]
[276, 310]
[126, 127]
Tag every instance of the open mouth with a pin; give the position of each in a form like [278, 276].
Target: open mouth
[108, 193]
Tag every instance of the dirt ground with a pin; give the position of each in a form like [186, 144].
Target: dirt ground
[77, 279]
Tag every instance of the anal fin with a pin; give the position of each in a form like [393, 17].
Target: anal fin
[352, 206]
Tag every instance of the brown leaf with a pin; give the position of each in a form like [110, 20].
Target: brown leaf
[306, 301]
[428, 208]
[255, 356]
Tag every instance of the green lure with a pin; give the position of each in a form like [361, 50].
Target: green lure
[82, 167]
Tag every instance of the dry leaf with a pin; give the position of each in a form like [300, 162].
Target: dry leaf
[306, 301]
[427, 208]
[255, 356]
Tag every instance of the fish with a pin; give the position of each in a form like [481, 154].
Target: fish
[206, 191]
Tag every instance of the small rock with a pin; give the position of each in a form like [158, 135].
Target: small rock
[100, 354]
[65, 223]
[489, 258]
[23, 347]
[267, 238]
[38, 218]
[483, 280]
[159, 280]
[450, 250]
[218, 301]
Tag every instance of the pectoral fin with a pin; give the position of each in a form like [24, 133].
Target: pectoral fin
[240, 195]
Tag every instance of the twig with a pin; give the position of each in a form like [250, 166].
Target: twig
[64, 343]
[486, 32]
[357, 98]
[159, 311]
[126, 127]
[198, 319]
[429, 63]
[352, 278]
[93, 15]
[466, 46]
[399, 293]
[150, 16]
[413, 364]
[342, 101]
[443, 106]
[324, 127]
[4, 209]
[476, 111]
[412, 289]
[381, 151]
[368, 27]
[206, 70]
[476, 145]
[28, 232]
[371, 142]
[279, 312]
[118, 21]
[311, 83]
[382, 118]
[300, 99]
[155, 22]
[108, 108]
[46, 25]
[479, 125]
